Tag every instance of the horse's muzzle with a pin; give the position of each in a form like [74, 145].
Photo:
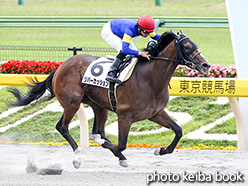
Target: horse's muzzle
[203, 67]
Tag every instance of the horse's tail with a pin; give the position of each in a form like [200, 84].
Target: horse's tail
[36, 90]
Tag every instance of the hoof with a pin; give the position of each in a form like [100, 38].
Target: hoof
[76, 164]
[97, 138]
[157, 151]
[77, 159]
[123, 163]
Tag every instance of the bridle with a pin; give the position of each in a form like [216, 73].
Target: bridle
[183, 58]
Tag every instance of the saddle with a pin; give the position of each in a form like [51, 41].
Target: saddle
[125, 63]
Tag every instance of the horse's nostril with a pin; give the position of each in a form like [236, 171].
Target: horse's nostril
[206, 65]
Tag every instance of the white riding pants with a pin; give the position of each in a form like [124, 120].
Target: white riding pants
[113, 40]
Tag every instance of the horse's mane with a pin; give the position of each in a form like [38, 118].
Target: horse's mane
[165, 39]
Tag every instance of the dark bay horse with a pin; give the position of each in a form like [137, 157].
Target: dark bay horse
[143, 96]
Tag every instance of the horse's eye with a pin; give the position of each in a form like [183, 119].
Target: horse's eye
[187, 47]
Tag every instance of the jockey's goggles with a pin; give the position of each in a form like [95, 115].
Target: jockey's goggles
[146, 32]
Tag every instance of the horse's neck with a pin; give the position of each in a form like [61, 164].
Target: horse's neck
[166, 69]
[156, 74]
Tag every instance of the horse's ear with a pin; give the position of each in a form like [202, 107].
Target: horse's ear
[177, 37]
[182, 33]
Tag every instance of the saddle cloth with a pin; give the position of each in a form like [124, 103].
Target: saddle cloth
[97, 71]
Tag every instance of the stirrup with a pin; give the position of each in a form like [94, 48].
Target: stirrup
[113, 80]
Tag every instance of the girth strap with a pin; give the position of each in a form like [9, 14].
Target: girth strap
[112, 98]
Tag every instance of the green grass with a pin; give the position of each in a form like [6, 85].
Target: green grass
[186, 8]
[24, 112]
[228, 127]
[39, 128]
[218, 143]
[4, 99]
[145, 125]
[217, 51]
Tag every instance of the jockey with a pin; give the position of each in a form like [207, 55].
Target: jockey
[119, 34]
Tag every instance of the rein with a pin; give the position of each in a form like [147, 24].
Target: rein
[165, 59]
[181, 62]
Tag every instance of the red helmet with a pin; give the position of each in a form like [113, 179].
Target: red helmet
[146, 23]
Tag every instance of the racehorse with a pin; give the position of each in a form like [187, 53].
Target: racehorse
[143, 96]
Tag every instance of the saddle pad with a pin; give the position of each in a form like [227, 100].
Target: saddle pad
[97, 71]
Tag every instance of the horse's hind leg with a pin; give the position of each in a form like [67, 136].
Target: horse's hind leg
[163, 119]
[62, 127]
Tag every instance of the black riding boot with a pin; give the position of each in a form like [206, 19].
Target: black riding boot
[112, 74]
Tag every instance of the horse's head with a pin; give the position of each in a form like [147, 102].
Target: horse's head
[188, 53]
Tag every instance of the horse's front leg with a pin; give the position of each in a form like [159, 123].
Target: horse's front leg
[101, 115]
[124, 125]
[163, 119]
